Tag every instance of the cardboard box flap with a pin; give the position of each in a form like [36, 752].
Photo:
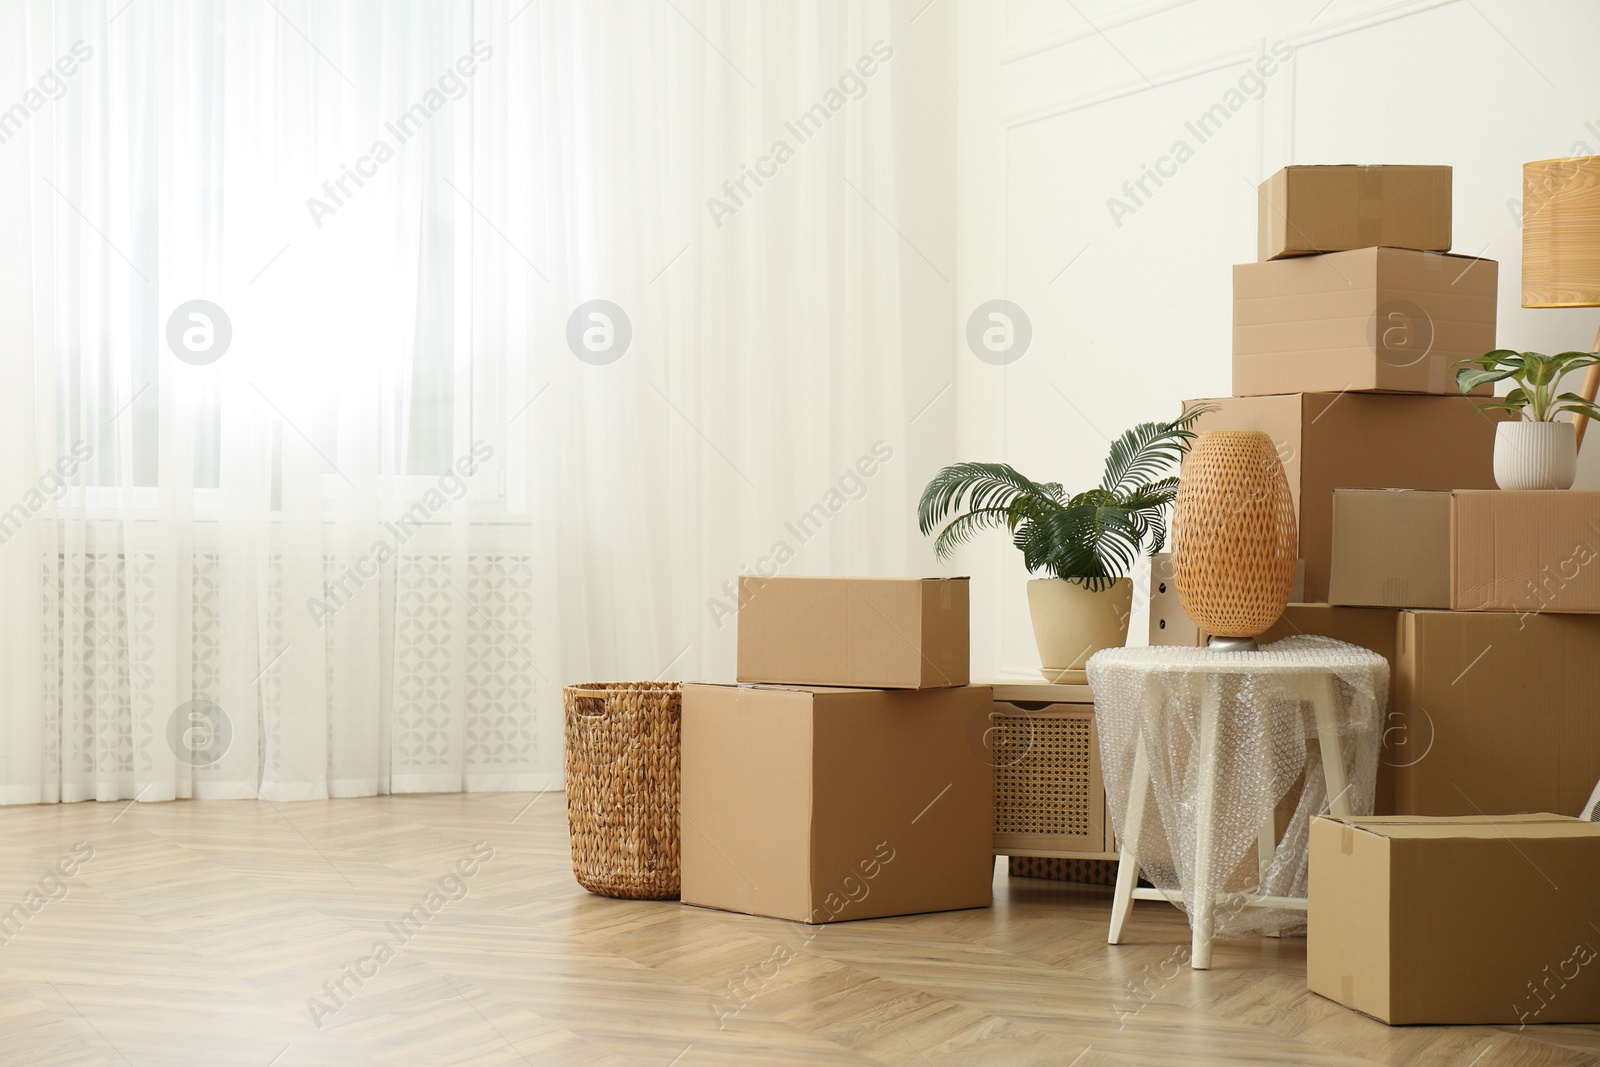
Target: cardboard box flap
[785, 687]
[1470, 827]
[746, 812]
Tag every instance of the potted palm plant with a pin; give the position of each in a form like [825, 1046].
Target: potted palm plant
[1082, 546]
[1533, 451]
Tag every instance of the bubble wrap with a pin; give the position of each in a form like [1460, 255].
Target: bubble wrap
[1266, 724]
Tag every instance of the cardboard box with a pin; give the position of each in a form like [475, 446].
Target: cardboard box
[883, 633]
[1527, 551]
[1372, 320]
[1330, 441]
[1471, 550]
[1482, 919]
[1389, 548]
[821, 805]
[1304, 210]
[1494, 713]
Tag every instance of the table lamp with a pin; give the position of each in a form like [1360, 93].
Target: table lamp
[1561, 245]
[1234, 537]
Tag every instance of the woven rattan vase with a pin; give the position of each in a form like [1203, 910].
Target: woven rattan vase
[1234, 540]
[622, 787]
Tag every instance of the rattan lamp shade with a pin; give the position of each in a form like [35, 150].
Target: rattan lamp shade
[1234, 537]
[1561, 233]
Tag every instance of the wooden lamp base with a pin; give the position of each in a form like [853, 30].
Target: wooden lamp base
[1591, 386]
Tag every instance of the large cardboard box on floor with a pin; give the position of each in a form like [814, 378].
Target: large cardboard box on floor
[1494, 713]
[821, 805]
[882, 633]
[1304, 210]
[1372, 320]
[1471, 550]
[1333, 441]
[1480, 919]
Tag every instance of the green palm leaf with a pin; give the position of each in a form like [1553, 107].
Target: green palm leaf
[1148, 449]
[967, 525]
[1089, 544]
[1092, 537]
[983, 486]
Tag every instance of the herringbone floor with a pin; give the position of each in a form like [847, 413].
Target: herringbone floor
[218, 933]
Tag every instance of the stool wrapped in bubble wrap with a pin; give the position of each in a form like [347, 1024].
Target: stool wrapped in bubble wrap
[1218, 739]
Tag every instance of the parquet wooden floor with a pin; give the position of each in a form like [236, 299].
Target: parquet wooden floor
[220, 933]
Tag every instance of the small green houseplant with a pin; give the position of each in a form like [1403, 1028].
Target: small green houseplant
[1534, 451]
[1085, 543]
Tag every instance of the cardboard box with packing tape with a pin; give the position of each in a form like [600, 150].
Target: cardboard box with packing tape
[1476, 919]
[1305, 210]
[823, 805]
[1371, 320]
[881, 633]
[1529, 552]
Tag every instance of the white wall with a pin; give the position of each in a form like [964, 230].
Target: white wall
[1058, 110]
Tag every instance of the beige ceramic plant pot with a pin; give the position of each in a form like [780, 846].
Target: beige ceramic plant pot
[1070, 623]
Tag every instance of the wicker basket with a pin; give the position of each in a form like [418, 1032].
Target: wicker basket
[622, 787]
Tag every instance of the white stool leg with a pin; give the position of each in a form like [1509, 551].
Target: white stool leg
[1327, 712]
[1132, 830]
[1266, 851]
[1267, 840]
[1267, 845]
[1203, 900]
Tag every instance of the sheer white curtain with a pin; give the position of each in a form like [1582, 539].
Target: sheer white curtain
[358, 547]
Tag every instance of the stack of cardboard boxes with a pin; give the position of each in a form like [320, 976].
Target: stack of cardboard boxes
[1496, 639]
[1455, 902]
[1345, 356]
[845, 775]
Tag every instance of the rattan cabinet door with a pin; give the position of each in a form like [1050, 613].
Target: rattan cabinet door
[1048, 796]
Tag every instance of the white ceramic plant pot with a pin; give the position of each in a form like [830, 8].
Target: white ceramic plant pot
[1535, 455]
[1070, 623]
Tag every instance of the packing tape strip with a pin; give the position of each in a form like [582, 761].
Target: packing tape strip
[1347, 988]
[1440, 377]
[1347, 839]
[1369, 207]
[945, 595]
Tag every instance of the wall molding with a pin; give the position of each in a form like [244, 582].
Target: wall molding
[1366, 20]
[1128, 14]
[1245, 52]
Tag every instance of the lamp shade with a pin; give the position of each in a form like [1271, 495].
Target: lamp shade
[1561, 233]
[1234, 536]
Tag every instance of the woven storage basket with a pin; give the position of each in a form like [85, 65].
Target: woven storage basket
[622, 787]
[1234, 537]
